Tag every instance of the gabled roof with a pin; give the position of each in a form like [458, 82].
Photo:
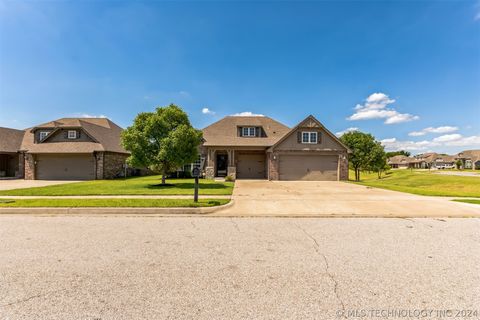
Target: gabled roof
[104, 133]
[310, 121]
[225, 131]
[472, 154]
[402, 159]
[10, 139]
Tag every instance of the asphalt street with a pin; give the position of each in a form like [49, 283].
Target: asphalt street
[126, 267]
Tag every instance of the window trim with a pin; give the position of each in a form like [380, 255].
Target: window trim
[309, 135]
[248, 131]
[41, 133]
[74, 134]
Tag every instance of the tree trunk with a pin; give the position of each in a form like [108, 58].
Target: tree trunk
[163, 177]
[358, 174]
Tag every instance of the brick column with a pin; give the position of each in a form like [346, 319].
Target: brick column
[210, 168]
[99, 161]
[343, 166]
[29, 166]
[272, 166]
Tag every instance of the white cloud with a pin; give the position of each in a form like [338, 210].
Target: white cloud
[392, 144]
[375, 107]
[87, 115]
[442, 142]
[471, 141]
[442, 129]
[448, 137]
[207, 111]
[247, 114]
[341, 133]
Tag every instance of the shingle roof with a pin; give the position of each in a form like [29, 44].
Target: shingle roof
[400, 159]
[472, 154]
[224, 132]
[10, 139]
[102, 130]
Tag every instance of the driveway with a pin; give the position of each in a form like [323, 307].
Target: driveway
[332, 198]
[10, 184]
[112, 268]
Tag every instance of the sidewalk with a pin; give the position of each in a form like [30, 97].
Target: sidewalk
[121, 197]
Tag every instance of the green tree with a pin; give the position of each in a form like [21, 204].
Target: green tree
[162, 140]
[459, 164]
[378, 160]
[365, 151]
[398, 153]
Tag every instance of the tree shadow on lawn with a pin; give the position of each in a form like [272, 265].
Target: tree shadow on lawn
[187, 185]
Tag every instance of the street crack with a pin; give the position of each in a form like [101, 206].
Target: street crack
[235, 224]
[316, 246]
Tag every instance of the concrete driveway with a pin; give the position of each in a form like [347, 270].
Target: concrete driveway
[10, 184]
[332, 198]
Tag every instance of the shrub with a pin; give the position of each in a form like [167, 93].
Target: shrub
[229, 179]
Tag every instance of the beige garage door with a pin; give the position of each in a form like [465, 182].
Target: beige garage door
[65, 167]
[251, 166]
[308, 167]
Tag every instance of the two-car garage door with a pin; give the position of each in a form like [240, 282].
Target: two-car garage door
[308, 167]
[65, 167]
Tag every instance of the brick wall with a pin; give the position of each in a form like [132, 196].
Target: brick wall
[113, 165]
[99, 160]
[343, 168]
[29, 166]
[272, 166]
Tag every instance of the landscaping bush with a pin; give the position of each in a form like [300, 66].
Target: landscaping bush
[229, 179]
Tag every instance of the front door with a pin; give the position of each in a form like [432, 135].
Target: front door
[222, 165]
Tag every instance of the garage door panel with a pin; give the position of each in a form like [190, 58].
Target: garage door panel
[251, 166]
[65, 167]
[308, 167]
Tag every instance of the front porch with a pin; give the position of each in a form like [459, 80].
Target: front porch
[236, 163]
[10, 166]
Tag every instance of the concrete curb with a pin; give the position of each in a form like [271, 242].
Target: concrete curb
[119, 197]
[119, 210]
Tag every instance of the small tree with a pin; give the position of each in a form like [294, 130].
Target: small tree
[459, 164]
[361, 144]
[378, 160]
[162, 140]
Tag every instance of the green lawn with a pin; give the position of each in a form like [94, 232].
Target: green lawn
[130, 186]
[423, 183]
[468, 201]
[74, 203]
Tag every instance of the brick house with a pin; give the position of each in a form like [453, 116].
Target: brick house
[64, 149]
[259, 147]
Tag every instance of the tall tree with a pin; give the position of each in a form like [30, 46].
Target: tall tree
[363, 147]
[162, 140]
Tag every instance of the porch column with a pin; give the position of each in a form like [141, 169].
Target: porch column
[231, 169]
[210, 168]
[29, 166]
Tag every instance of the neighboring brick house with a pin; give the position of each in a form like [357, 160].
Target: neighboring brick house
[65, 149]
[259, 147]
[470, 159]
[10, 142]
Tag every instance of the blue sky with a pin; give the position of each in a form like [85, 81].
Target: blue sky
[407, 72]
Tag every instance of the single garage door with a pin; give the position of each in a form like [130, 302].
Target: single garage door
[308, 167]
[250, 166]
[65, 167]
